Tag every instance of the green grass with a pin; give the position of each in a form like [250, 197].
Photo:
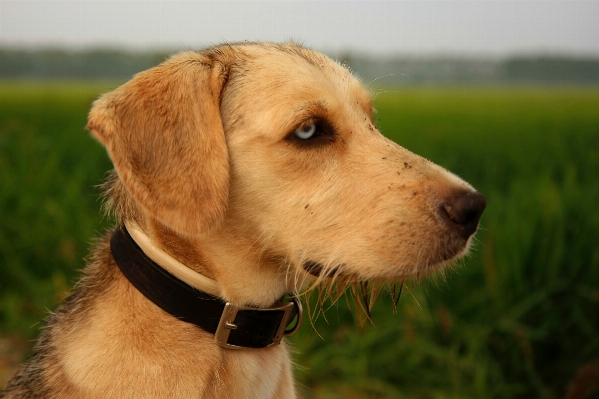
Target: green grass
[518, 318]
[48, 205]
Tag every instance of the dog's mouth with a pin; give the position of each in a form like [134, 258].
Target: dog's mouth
[316, 269]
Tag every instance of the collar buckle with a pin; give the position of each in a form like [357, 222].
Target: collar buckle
[227, 321]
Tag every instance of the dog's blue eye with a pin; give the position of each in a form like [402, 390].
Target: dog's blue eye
[305, 132]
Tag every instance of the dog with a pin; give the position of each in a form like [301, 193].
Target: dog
[243, 172]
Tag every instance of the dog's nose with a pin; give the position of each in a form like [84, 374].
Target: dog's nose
[463, 210]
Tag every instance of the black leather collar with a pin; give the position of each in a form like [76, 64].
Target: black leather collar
[234, 327]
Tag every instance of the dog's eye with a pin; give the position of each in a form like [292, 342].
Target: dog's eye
[305, 132]
[311, 134]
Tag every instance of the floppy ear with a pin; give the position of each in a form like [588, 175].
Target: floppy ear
[164, 134]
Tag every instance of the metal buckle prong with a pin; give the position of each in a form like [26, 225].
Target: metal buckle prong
[231, 326]
[225, 325]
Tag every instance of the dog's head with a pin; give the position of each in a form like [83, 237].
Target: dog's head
[261, 165]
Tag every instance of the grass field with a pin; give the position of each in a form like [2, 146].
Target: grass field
[519, 318]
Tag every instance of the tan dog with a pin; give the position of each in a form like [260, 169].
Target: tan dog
[256, 166]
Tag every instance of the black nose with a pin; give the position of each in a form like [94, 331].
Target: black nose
[463, 210]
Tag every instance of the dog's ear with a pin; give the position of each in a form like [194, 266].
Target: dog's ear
[164, 134]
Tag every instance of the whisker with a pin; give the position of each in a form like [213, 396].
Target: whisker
[365, 296]
[380, 77]
[416, 300]
[321, 303]
[374, 293]
[396, 300]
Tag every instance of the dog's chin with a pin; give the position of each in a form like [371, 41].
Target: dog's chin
[408, 271]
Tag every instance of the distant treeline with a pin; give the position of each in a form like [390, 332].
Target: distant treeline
[61, 64]
[120, 64]
[540, 69]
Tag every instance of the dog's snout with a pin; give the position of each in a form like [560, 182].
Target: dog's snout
[463, 211]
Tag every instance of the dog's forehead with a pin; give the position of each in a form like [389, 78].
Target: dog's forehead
[304, 67]
[276, 83]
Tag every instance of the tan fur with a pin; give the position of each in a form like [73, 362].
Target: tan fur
[206, 164]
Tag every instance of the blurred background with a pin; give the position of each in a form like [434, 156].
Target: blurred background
[503, 93]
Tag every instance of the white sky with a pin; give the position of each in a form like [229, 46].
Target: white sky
[481, 27]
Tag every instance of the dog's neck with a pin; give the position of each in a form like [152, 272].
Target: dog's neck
[225, 264]
[196, 299]
[171, 264]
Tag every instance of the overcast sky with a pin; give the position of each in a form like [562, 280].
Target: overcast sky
[382, 27]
